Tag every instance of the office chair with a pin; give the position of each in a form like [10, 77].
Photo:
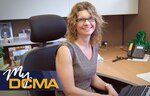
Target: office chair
[43, 28]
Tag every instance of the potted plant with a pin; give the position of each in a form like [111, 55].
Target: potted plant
[1, 57]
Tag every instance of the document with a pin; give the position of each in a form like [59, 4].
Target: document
[145, 76]
[100, 58]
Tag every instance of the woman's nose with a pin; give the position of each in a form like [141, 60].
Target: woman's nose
[86, 22]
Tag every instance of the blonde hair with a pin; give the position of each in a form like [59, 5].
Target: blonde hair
[71, 34]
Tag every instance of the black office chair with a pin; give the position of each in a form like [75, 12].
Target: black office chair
[43, 28]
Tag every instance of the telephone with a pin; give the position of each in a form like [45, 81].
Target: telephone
[136, 51]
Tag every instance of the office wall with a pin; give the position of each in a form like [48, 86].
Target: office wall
[18, 25]
[134, 23]
[112, 31]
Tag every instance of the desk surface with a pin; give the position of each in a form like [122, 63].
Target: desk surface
[123, 70]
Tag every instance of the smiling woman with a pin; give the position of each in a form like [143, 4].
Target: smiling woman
[79, 54]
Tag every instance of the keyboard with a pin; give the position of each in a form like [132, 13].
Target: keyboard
[135, 91]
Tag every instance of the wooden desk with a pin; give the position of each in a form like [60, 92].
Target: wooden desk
[123, 70]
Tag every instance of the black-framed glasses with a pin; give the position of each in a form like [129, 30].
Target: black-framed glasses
[82, 20]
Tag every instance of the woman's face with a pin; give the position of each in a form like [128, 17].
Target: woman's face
[85, 23]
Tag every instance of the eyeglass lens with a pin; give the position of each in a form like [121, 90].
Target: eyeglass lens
[90, 19]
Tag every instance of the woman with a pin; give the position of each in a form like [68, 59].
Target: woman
[76, 65]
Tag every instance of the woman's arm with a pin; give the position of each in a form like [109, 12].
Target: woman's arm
[64, 69]
[100, 84]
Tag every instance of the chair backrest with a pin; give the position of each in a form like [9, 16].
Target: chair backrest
[40, 59]
[43, 28]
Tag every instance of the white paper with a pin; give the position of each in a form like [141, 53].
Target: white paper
[145, 76]
[99, 58]
[145, 59]
[22, 35]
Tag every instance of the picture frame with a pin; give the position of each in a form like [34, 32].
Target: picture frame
[16, 53]
[6, 29]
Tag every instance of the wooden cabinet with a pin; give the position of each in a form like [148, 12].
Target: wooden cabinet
[23, 9]
[113, 7]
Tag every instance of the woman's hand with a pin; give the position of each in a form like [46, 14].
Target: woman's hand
[111, 90]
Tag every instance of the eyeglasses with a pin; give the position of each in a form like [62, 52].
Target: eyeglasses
[82, 20]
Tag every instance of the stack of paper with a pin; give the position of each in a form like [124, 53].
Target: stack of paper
[145, 59]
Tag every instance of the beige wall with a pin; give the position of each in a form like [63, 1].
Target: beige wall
[134, 23]
[113, 30]
[18, 25]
